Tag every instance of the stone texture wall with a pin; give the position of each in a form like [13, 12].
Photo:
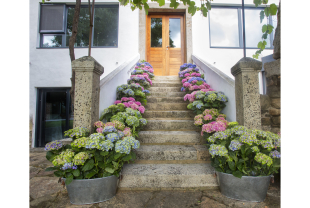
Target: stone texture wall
[87, 89]
[271, 102]
[248, 109]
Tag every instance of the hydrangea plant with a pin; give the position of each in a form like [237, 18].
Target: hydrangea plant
[245, 152]
[100, 155]
[134, 90]
[205, 99]
[77, 132]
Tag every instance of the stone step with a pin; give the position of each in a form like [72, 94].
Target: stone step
[168, 94]
[186, 114]
[160, 78]
[151, 99]
[167, 176]
[170, 125]
[170, 137]
[166, 106]
[170, 153]
[165, 89]
[167, 84]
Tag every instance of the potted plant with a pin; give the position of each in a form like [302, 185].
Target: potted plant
[244, 160]
[90, 166]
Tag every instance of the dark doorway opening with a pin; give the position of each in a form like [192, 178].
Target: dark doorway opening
[54, 115]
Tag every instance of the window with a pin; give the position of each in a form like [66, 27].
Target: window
[105, 29]
[225, 25]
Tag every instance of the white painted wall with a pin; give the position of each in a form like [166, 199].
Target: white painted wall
[52, 67]
[223, 59]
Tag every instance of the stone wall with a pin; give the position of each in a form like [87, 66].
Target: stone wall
[271, 102]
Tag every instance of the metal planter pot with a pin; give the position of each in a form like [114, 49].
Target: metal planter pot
[247, 188]
[89, 191]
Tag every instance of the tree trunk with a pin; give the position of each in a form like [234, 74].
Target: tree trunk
[71, 47]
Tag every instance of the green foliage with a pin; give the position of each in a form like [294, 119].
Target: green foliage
[266, 29]
[247, 152]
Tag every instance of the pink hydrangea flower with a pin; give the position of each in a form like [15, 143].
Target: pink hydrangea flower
[127, 105]
[99, 124]
[202, 87]
[184, 80]
[117, 102]
[186, 75]
[196, 87]
[194, 81]
[186, 84]
[207, 117]
[130, 102]
[99, 130]
[141, 109]
[127, 131]
[124, 99]
[137, 103]
[198, 122]
[110, 124]
[134, 106]
[131, 99]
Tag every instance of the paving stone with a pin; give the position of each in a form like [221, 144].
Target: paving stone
[40, 186]
[168, 176]
[166, 106]
[165, 89]
[152, 99]
[163, 137]
[171, 125]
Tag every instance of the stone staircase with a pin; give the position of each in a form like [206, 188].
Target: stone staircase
[172, 154]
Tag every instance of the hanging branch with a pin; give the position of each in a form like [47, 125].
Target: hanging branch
[91, 18]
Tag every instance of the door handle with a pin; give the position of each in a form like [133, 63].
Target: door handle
[167, 47]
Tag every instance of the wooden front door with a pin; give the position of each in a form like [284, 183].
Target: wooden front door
[165, 43]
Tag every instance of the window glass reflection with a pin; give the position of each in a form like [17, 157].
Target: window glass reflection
[175, 33]
[224, 27]
[105, 26]
[253, 28]
[52, 41]
[82, 37]
[156, 32]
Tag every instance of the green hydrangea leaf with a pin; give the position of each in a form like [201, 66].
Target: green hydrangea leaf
[237, 174]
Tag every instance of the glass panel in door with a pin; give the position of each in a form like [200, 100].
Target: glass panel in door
[55, 116]
[174, 33]
[156, 32]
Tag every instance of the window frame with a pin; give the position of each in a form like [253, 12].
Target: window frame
[64, 34]
[240, 27]
[63, 23]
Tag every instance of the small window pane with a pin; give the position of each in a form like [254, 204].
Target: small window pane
[105, 26]
[175, 33]
[52, 18]
[253, 28]
[156, 32]
[224, 27]
[82, 38]
[52, 41]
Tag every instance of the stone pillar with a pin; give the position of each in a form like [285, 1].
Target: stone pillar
[87, 89]
[248, 109]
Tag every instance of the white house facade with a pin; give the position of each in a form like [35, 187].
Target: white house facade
[122, 37]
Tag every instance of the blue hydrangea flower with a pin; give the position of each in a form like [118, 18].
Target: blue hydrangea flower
[112, 137]
[68, 166]
[132, 141]
[97, 136]
[54, 145]
[106, 145]
[120, 134]
[143, 121]
[182, 89]
[129, 92]
[234, 145]
[109, 129]
[122, 146]
[146, 91]
[275, 154]
[218, 150]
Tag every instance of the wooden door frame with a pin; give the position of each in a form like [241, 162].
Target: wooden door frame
[148, 35]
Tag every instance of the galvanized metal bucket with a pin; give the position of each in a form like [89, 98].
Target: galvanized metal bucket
[89, 191]
[246, 188]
